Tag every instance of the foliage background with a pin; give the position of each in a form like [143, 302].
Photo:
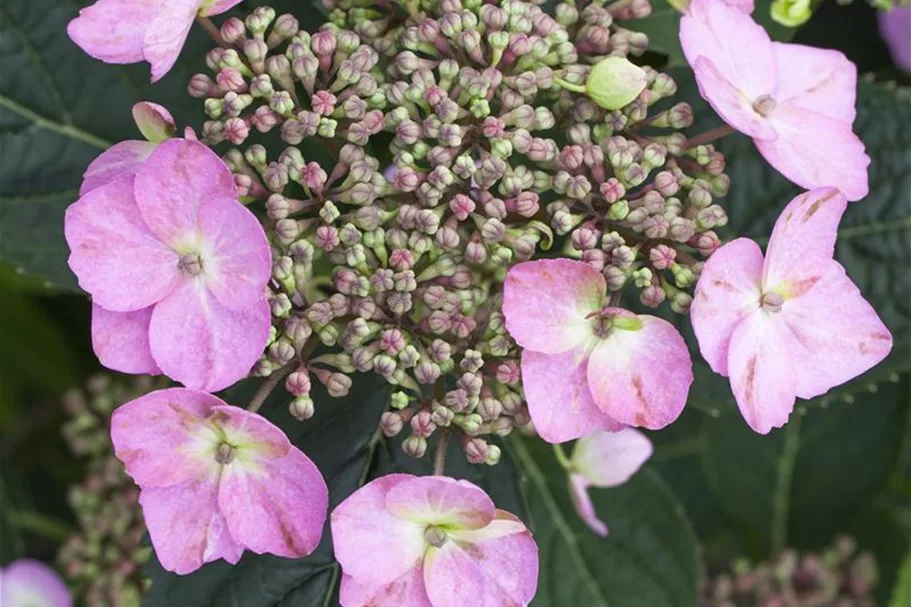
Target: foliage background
[713, 490]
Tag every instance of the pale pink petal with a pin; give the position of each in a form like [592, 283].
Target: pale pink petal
[803, 242]
[405, 591]
[730, 103]
[113, 254]
[121, 160]
[164, 438]
[253, 436]
[185, 525]
[121, 340]
[813, 151]
[546, 303]
[493, 571]
[372, 545]
[166, 35]
[174, 182]
[27, 583]
[216, 7]
[738, 46]
[641, 378]
[745, 6]
[762, 372]
[113, 30]
[838, 335]
[559, 400]
[154, 121]
[585, 508]
[274, 505]
[729, 287]
[608, 459]
[236, 259]
[439, 500]
[204, 345]
[821, 80]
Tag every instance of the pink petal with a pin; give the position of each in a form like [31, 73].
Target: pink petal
[405, 591]
[164, 438]
[745, 6]
[121, 160]
[559, 400]
[180, 176]
[185, 525]
[738, 47]
[803, 242]
[641, 378]
[154, 121]
[166, 35]
[813, 150]
[113, 30]
[113, 254]
[461, 572]
[730, 103]
[546, 303]
[585, 508]
[608, 459]
[372, 545]
[762, 371]
[121, 340]
[202, 344]
[442, 501]
[728, 289]
[26, 582]
[216, 7]
[821, 80]
[254, 437]
[275, 505]
[237, 261]
[838, 335]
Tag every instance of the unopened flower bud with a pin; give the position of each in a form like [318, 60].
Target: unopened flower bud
[301, 408]
[615, 82]
[476, 450]
[415, 446]
[391, 423]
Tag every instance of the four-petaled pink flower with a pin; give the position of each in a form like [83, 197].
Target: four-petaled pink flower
[130, 31]
[586, 366]
[407, 541]
[216, 480]
[176, 267]
[28, 583]
[792, 324]
[604, 459]
[796, 102]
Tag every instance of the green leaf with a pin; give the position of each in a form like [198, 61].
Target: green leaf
[901, 595]
[650, 559]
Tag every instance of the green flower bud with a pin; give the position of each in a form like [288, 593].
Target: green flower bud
[614, 82]
[792, 13]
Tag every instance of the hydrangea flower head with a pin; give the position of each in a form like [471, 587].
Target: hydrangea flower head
[586, 366]
[130, 31]
[217, 480]
[431, 542]
[176, 267]
[28, 583]
[791, 324]
[796, 102]
[604, 459]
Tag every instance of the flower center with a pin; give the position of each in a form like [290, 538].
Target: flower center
[764, 105]
[771, 302]
[225, 454]
[435, 536]
[190, 264]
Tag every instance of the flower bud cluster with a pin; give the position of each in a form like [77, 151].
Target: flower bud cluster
[461, 146]
[102, 561]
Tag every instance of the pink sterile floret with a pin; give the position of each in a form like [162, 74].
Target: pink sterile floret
[586, 366]
[604, 459]
[792, 324]
[796, 102]
[130, 31]
[176, 267]
[27, 583]
[216, 480]
[406, 541]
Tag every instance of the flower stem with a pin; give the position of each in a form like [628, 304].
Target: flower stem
[569, 86]
[212, 30]
[561, 457]
[439, 458]
[266, 389]
[710, 136]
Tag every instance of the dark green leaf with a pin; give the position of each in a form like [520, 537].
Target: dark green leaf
[901, 595]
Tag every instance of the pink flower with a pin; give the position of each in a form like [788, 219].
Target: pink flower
[586, 366]
[130, 31]
[407, 541]
[216, 480]
[25, 583]
[796, 102]
[125, 158]
[604, 459]
[792, 324]
[176, 267]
